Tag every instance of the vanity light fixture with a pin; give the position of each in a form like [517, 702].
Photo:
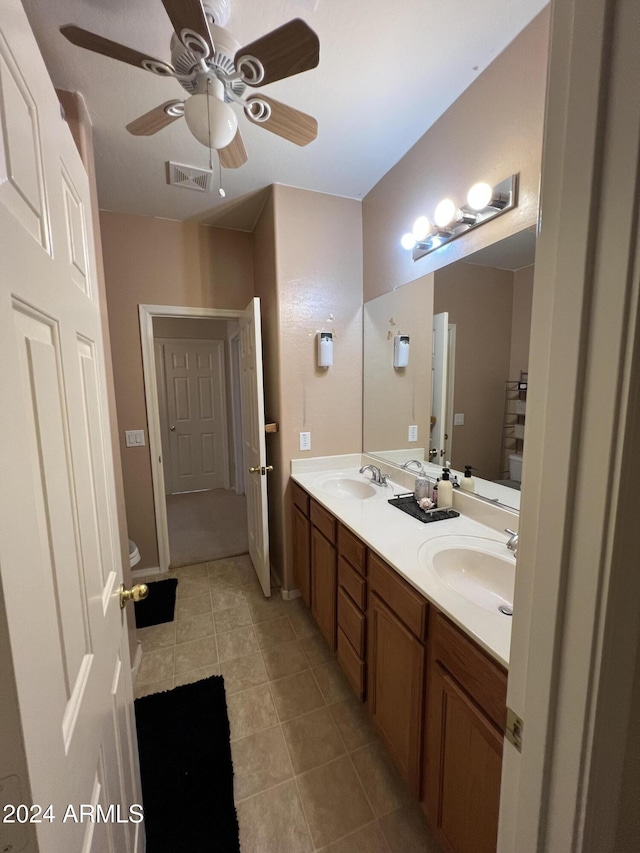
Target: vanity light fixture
[484, 202]
[325, 349]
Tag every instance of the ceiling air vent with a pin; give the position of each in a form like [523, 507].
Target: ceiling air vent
[189, 177]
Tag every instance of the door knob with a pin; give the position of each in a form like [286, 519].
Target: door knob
[433, 453]
[254, 470]
[261, 469]
[136, 593]
[172, 428]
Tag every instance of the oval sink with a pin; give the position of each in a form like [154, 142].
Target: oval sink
[480, 570]
[348, 487]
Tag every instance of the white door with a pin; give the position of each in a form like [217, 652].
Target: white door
[197, 415]
[59, 548]
[253, 438]
[439, 387]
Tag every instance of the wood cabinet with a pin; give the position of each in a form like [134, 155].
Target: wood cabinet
[324, 584]
[396, 668]
[302, 554]
[352, 603]
[463, 747]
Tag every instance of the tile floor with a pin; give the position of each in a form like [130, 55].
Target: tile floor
[309, 771]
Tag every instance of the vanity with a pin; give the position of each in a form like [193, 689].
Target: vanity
[429, 663]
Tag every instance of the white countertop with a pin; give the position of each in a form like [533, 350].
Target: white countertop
[397, 537]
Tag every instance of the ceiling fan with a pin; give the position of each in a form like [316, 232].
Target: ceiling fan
[215, 70]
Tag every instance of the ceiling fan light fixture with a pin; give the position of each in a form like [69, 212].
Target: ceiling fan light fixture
[214, 124]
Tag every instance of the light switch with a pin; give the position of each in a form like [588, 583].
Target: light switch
[134, 437]
[458, 419]
[413, 432]
[305, 441]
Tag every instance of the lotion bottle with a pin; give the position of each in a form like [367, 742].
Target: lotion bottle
[445, 491]
[468, 481]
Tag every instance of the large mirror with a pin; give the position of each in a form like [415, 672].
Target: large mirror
[462, 396]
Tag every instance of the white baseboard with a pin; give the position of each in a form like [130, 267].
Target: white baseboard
[136, 661]
[140, 573]
[290, 594]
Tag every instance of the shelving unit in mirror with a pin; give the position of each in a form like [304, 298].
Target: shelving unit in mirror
[515, 412]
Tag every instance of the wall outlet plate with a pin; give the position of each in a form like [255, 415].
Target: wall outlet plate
[458, 419]
[413, 432]
[305, 441]
[134, 437]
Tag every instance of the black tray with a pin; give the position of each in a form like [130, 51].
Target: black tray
[407, 503]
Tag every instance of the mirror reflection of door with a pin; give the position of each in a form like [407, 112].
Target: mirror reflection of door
[439, 387]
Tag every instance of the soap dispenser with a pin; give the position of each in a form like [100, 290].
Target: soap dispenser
[468, 481]
[445, 491]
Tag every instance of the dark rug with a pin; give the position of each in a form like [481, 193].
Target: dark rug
[159, 605]
[186, 769]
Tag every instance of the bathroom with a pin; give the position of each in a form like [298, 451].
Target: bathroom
[346, 264]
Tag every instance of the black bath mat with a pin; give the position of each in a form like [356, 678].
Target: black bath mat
[159, 605]
[186, 769]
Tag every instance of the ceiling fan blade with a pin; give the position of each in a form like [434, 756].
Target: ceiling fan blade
[156, 119]
[188, 15]
[291, 49]
[98, 44]
[235, 154]
[285, 121]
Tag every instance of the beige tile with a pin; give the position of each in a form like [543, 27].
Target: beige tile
[187, 607]
[237, 644]
[243, 673]
[273, 822]
[251, 711]
[263, 609]
[312, 740]
[190, 586]
[353, 722]
[317, 650]
[226, 579]
[225, 598]
[141, 690]
[333, 800]
[285, 659]
[369, 839]
[155, 666]
[296, 694]
[197, 571]
[273, 633]
[195, 654]
[381, 780]
[260, 761]
[217, 567]
[197, 674]
[157, 636]
[304, 624]
[234, 617]
[194, 628]
[407, 831]
[332, 682]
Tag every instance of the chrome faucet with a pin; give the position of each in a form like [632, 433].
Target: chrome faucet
[512, 544]
[413, 462]
[377, 476]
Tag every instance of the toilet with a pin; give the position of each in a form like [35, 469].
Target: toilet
[515, 467]
[134, 554]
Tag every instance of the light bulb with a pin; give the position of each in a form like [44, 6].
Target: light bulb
[421, 228]
[479, 196]
[408, 242]
[210, 120]
[445, 213]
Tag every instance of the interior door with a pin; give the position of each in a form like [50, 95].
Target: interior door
[253, 438]
[59, 548]
[439, 387]
[197, 415]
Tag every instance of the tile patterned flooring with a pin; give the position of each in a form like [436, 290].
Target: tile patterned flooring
[309, 771]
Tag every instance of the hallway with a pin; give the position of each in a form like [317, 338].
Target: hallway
[207, 525]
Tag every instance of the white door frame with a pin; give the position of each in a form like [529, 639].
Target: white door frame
[236, 413]
[147, 313]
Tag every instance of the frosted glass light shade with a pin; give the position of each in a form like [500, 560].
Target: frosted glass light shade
[408, 241]
[445, 213]
[223, 120]
[479, 196]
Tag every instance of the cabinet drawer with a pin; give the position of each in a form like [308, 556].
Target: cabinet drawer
[405, 602]
[352, 665]
[482, 678]
[324, 521]
[353, 583]
[351, 548]
[300, 497]
[352, 622]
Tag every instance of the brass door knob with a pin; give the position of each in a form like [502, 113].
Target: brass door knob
[136, 593]
[172, 428]
[254, 470]
[269, 468]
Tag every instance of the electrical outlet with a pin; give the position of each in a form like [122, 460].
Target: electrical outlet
[413, 432]
[134, 437]
[305, 441]
[458, 419]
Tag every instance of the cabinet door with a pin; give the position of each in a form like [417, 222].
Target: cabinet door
[324, 585]
[395, 673]
[464, 762]
[302, 554]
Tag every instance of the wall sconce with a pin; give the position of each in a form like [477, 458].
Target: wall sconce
[400, 350]
[325, 349]
[484, 202]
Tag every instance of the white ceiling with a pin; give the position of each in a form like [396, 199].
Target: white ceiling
[387, 71]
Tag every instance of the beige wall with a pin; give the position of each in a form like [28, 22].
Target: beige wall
[162, 262]
[480, 303]
[493, 130]
[395, 398]
[521, 321]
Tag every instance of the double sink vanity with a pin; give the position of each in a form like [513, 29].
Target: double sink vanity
[415, 613]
